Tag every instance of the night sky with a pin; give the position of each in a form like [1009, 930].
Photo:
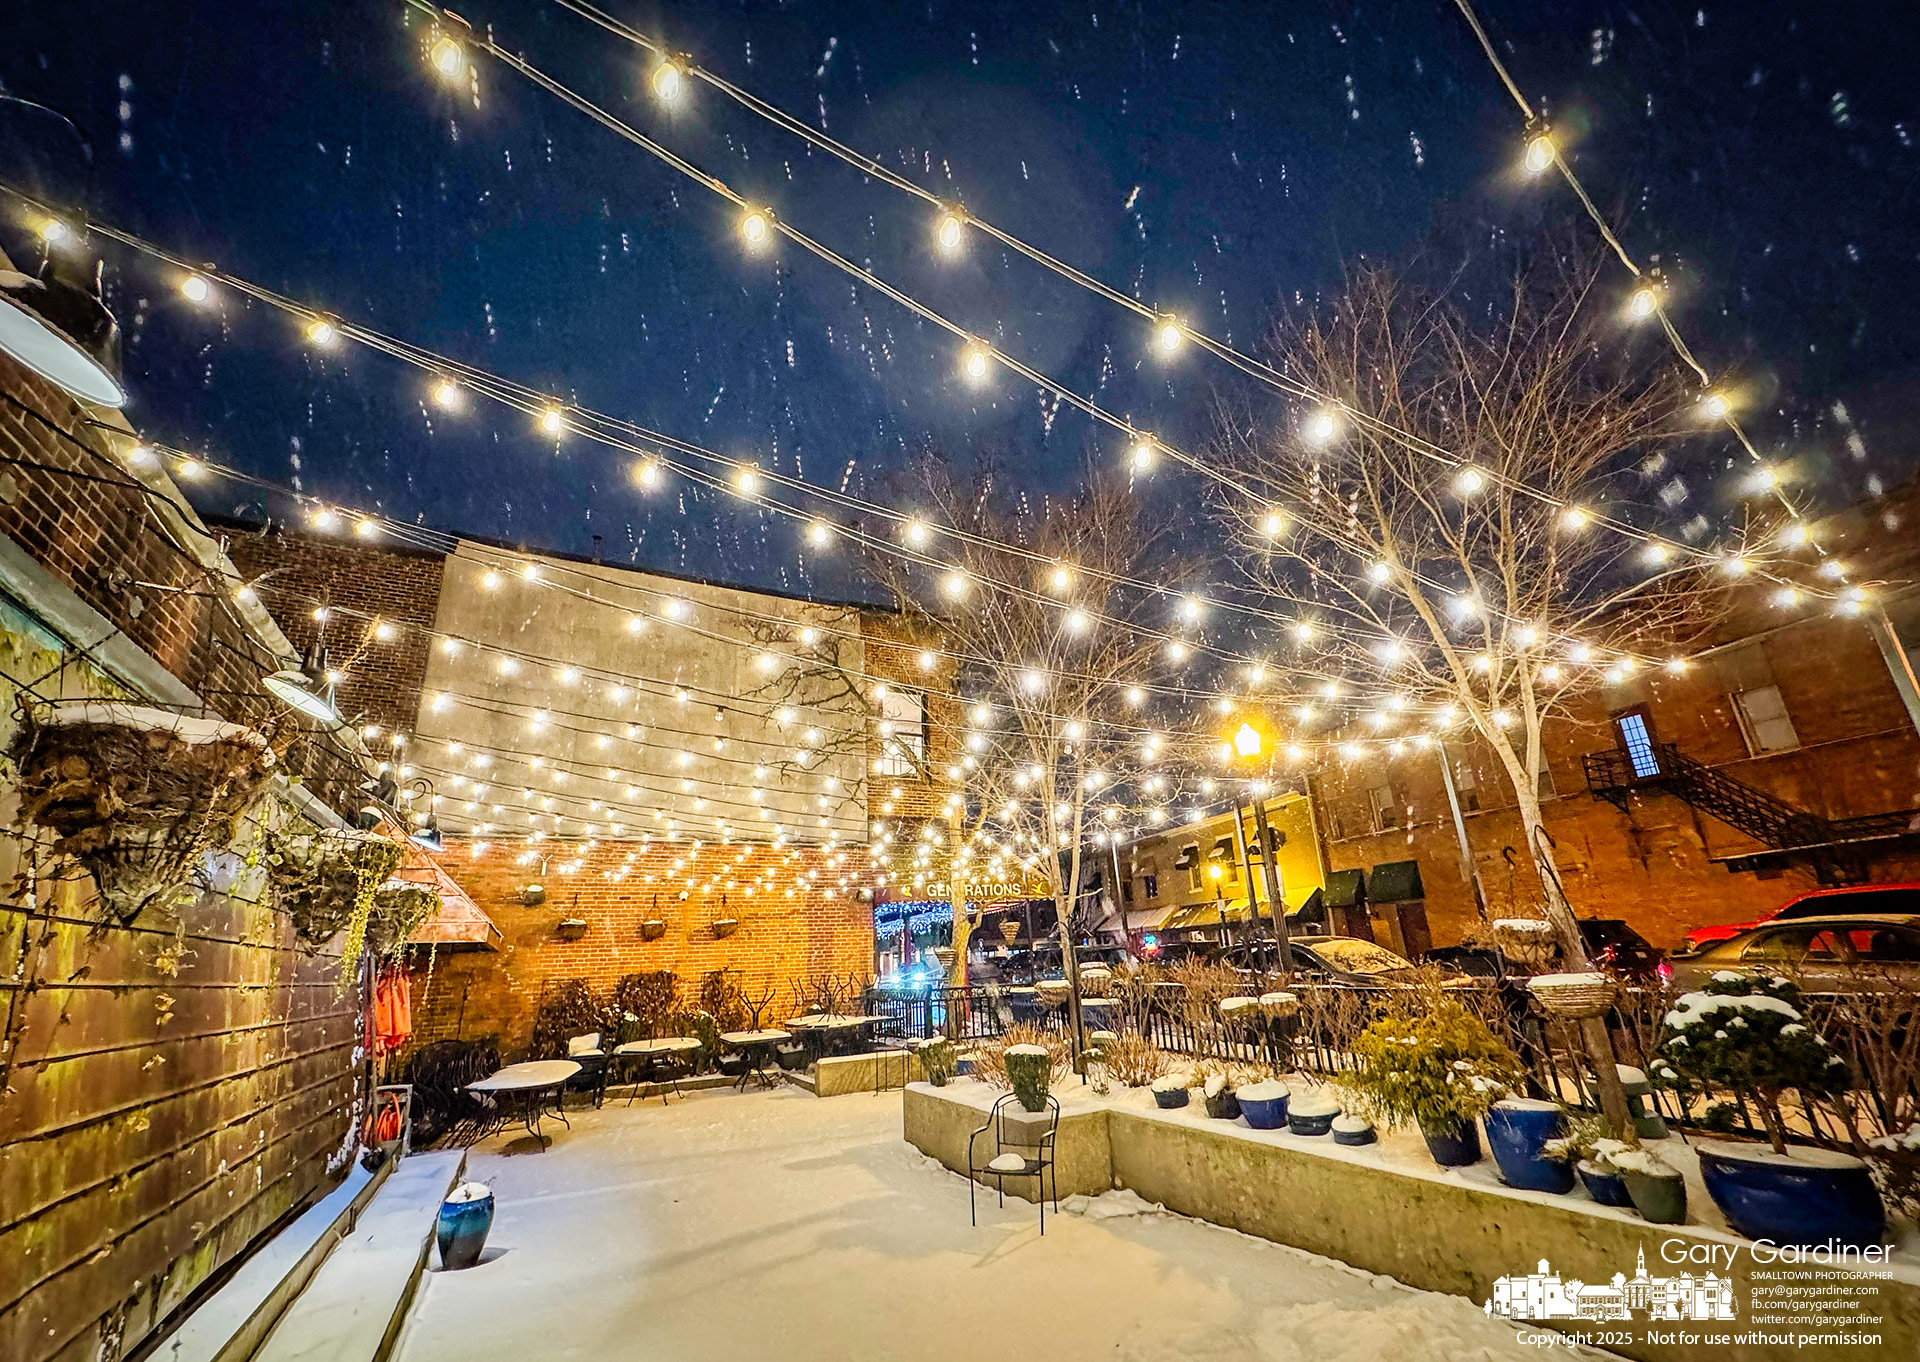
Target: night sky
[1220, 160]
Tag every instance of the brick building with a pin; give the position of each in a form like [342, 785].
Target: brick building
[604, 748]
[1781, 759]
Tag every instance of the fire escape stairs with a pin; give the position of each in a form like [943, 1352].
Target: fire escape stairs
[1837, 849]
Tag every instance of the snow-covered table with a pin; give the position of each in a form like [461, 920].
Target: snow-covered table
[757, 1047]
[527, 1086]
[663, 1047]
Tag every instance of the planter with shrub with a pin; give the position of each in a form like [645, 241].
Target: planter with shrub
[1749, 1034]
[1312, 1113]
[1438, 1068]
[1519, 1130]
[1218, 1095]
[1656, 1188]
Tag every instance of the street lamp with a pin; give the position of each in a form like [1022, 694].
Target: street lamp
[1250, 744]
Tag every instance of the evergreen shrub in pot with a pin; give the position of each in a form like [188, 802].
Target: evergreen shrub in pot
[1436, 1066]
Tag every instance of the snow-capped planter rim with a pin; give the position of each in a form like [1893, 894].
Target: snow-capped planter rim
[1527, 1104]
[1627, 1158]
[1040, 1050]
[1266, 1090]
[1238, 1004]
[1314, 1104]
[1346, 1123]
[469, 1191]
[1170, 1083]
[1215, 1085]
[1099, 1002]
[1893, 1144]
[187, 728]
[1278, 999]
[1797, 1155]
[1522, 924]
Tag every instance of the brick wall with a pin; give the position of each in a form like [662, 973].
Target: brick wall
[360, 584]
[479, 993]
[1654, 864]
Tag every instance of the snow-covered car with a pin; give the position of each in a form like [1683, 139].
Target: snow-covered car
[1341, 960]
[1895, 900]
[1818, 953]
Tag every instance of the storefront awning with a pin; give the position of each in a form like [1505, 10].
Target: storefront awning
[1203, 915]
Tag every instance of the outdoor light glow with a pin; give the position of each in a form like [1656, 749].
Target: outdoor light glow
[1060, 579]
[320, 331]
[647, 473]
[818, 534]
[951, 233]
[447, 58]
[446, 394]
[1794, 535]
[973, 363]
[1541, 153]
[746, 479]
[1168, 335]
[553, 420]
[955, 585]
[756, 228]
[1656, 553]
[1715, 406]
[1469, 481]
[1136, 697]
[666, 82]
[916, 534]
[1246, 741]
[1176, 651]
[1191, 609]
[1575, 518]
[1379, 574]
[1273, 524]
[1320, 428]
[1140, 456]
[1643, 304]
[195, 289]
[53, 231]
[1077, 621]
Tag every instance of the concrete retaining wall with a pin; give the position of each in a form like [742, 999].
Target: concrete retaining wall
[1430, 1229]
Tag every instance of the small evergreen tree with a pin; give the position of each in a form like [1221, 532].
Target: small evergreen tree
[1748, 1034]
[1438, 1068]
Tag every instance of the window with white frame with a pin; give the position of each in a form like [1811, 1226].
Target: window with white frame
[903, 732]
[1386, 809]
[1758, 706]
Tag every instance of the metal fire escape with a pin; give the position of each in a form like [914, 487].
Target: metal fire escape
[1837, 849]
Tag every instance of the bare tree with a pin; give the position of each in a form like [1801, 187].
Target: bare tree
[1446, 530]
[1059, 660]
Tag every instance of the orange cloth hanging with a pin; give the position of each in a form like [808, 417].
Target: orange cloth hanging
[392, 1009]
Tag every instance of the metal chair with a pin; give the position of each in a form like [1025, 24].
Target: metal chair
[1018, 1157]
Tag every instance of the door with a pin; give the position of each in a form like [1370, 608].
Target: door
[1633, 730]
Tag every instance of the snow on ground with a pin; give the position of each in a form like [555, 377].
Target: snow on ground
[776, 1224]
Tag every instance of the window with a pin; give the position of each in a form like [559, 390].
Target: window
[1793, 944]
[1636, 740]
[1885, 945]
[1386, 810]
[1190, 862]
[1150, 885]
[1764, 722]
[1757, 703]
[903, 732]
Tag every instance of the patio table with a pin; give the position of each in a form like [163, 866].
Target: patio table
[662, 1046]
[527, 1086]
[757, 1046]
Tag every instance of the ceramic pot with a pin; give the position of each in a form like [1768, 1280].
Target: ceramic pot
[1263, 1113]
[461, 1231]
[1661, 1199]
[1169, 1098]
[1313, 1122]
[1603, 1185]
[1223, 1105]
[1453, 1146]
[1516, 1131]
[1806, 1198]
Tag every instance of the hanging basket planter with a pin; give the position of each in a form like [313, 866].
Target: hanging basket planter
[1529, 940]
[572, 929]
[399, 910]
[725, 927]
[135, 796]
[652, 929]
[327, 881]
[1573, 997]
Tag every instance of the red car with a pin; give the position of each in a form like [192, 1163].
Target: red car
[1852, 901]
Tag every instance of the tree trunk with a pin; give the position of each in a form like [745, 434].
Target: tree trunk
[1593, 1031]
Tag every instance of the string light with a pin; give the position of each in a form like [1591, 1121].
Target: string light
[647, 474]
[1168, 335]
[1541, 152]
[53, 231]
[746, 479]
[446, 394]
[1320, 427]
[1643, 303]
[756, 228]
[1273, 524]
[1575, 518]
[195, 289]
[1141, 455]
[553, 421]
[818, 534]
[1469, 481]
[321, 332]
[448, 58]
[973, 363]
[951, 233]
[1715, 406]
[666, 82]
[955, 585]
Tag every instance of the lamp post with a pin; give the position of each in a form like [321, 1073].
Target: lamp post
[1249, 744]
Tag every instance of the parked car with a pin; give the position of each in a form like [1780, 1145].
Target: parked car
[1610, 942]
[1819, 953]
[1898, 899]
[1338, 959]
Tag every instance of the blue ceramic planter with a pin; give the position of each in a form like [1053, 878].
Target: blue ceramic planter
[1609, 1189]
[1351, 1136]
[462, 1231]
[1800, 1203]
[1517, 1131]
[1310, 1122]
[1169, 1098]
[1455, 1147]
[1268, 1113]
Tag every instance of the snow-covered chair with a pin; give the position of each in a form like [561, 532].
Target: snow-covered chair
[1019, 1144]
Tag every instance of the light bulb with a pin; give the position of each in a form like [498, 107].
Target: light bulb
[1541, 153]
[950, 233]
[647, 473]
[818, 534]
[928, 660]
[195, 289]
[553, 420]
[666, 82]
[1191, 608]
[320, 331]
[447, 58]
[1379, 574]
[916, 534]
[446, 394]
[1176, 651]
[1320, 427]
[1470, 481]
[746, 480]
[973, 363]
[1715, 406]
[53, 231]
[954, 585]
[1273, 524]
[1643, 304]
[140, 455]
[1656, 553]
[1794, 535]
[1168, 335]
[1141, 454]
[1575, 518]
[1077, 621]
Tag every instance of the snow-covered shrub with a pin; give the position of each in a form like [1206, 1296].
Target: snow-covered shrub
[1030, 1073]
[989, 1057]
[1435, 1068]
[937, 1059]
[1895, 1162]
[1748, 1034]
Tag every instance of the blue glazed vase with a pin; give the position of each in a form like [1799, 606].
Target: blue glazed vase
[1455, 1146]
[1264, 1113]
[1793, 1202]
[1607, 1188]
[1517, 1130]
[462, 1231]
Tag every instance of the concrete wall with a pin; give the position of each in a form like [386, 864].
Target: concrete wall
[1437, 1233]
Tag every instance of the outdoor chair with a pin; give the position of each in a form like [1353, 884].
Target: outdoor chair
[1013, 1150]
[588, 1052]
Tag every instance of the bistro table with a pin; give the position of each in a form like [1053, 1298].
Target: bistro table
[757, 1046]
[833, 1033]
[666, 1047]
[528, 1086]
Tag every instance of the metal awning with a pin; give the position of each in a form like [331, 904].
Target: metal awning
[1204, 915]
[1223, 850]
[460, 921]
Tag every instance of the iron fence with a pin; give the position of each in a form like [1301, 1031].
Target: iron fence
[1878, 1033]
